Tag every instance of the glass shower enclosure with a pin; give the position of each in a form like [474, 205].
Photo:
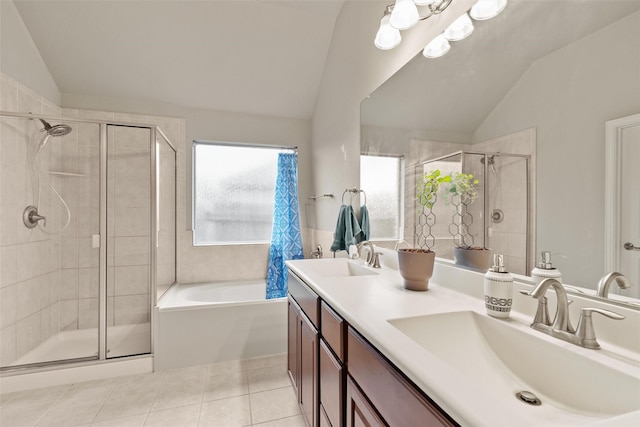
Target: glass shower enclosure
[87, 237]
[499, 218]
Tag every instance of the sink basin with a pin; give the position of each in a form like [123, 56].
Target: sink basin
[339, 267]
[504, 360]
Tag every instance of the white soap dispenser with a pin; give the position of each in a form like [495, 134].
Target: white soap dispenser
[545, 269]
[498, 289]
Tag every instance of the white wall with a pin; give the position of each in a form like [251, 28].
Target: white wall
[354, 69]
[20, 57]
[568, 96]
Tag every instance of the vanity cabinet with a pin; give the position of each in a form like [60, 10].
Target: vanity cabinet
[396, 399]
[303, 347]
[343, 381]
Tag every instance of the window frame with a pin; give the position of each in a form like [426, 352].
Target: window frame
[194, 172]
[401, 191]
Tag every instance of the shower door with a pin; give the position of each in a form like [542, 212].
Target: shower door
[128, 245]
[49, 274]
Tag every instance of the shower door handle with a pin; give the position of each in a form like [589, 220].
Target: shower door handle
[629, 246]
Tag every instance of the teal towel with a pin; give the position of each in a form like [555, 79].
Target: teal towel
[347, 228]
[364, 222]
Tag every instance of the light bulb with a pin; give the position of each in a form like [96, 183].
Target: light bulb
[487, 9]
[460, 29]
[405, 15]
[436, 47]
[387, 37]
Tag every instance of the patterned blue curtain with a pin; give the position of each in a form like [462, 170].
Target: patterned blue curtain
[286, 242]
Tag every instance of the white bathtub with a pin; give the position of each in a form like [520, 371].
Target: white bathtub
[202, 323]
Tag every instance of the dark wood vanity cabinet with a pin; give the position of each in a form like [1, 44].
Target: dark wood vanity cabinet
[303, 347]
[343, 381]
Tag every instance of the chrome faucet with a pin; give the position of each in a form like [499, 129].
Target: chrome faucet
[561, 321]
[373, 258]
[584, 335]
[317, 254]
[607, 279]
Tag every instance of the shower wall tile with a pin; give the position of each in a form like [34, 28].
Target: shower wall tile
[28, 331]
[69, 255]
[8, 265]
[8, 225]
[88, 310]
[8, 345]
[133, 280]
[69, 283]
[28, 297]
[49, 319]
[8, 304]
[131, 251]
[68, 314]
[89, 282]
[131, 309]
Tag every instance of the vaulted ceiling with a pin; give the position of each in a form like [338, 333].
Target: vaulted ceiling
[250, 56]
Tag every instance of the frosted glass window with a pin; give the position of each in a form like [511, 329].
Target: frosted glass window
[381, 179]
[234, 188]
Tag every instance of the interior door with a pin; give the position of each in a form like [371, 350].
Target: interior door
[622, 201]
[630, 207]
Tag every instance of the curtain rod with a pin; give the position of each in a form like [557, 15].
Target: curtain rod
[246, 145]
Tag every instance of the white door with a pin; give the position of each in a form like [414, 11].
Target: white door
[623, 169]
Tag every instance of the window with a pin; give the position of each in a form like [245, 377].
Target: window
[233, 193]
[381, 179]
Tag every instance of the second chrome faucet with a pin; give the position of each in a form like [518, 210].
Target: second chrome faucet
[583, 335]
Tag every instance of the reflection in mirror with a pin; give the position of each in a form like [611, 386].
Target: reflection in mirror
[526, 76]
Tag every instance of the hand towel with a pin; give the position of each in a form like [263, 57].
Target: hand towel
[338, 236]
[364, 222]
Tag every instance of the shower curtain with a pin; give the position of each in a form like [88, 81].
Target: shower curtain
[286, 242]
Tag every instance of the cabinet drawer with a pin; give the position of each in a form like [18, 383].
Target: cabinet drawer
[308, 301]
[333, 329]
[398, 401]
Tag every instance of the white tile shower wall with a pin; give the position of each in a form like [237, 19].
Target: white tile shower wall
[30, 283]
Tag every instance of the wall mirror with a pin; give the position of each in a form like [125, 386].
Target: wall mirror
[552, 72]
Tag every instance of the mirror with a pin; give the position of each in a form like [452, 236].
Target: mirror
[560, 69]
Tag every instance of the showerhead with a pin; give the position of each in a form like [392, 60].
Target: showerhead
[57, 130]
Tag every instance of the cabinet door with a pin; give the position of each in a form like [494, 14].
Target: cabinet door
[293, 335]
[360, 413]
[331, 385]
[308, 386]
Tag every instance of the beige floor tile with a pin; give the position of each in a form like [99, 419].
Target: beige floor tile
[79, 404]
[128, 421]
[231, 412]
[180, 387]
[273, 405]
[223, 386]
[296, 421]
[27, 407]
[227, 367]
[183, 416]
[132, 395]
[267, 361]
[268, 378]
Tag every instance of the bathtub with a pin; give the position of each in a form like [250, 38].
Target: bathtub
[197, 324]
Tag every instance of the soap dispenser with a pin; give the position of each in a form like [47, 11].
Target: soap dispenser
[498, 289]
[545, 269]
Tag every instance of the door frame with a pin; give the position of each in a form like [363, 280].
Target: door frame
[612, 189]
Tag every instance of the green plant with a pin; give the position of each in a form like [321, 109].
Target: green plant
[427, 195]
[428, 187]
[461, 193]
[463, 186]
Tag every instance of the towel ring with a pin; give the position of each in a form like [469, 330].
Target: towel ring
[351, 192]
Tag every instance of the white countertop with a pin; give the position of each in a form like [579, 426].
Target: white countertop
[368, 302]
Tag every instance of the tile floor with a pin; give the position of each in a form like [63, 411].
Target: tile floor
[252, 392]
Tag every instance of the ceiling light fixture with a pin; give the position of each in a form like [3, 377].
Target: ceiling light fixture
[387, 36]
[404, 14]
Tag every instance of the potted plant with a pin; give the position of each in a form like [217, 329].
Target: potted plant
[461, 193]
[416, 265]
